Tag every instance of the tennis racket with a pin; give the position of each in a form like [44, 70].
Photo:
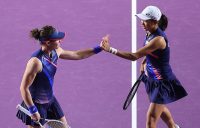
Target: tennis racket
[49, 123]
[132, 92]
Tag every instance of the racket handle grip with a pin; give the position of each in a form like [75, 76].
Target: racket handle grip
[19, 107]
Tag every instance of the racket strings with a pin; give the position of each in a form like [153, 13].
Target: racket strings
[54, 124]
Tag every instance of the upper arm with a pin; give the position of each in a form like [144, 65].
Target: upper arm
[154, 44]
[33, 67]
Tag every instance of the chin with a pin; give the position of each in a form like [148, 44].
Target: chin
[56, 48]
[145, 29]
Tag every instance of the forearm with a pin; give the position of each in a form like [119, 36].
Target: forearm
[127, 55]
[79, 54]
[123, 54]
[26, 96]
[82, 54]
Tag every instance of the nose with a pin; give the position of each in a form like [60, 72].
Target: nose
[142, 22]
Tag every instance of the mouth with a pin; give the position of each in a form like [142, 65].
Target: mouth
[143, 26]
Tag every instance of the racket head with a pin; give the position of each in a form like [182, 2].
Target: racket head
[132, 92]
[55, 124]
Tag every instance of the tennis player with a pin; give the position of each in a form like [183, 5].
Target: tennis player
[37, 82]
[161, 84]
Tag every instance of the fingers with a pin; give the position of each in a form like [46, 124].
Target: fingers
[106, 38]
[142, 68]
[101, 44]
[36, 116]
[105, 43]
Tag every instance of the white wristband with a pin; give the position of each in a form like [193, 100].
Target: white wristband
[113, 50]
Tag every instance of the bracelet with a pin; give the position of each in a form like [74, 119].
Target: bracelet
[33, 109]
[113, 50]
[97, 49]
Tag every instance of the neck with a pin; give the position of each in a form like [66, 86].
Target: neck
[153, 29]
[46, 50]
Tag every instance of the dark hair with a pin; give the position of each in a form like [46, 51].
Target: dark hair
[44, 32]
[163, 22]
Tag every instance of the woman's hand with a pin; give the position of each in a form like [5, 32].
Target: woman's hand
[105, 43]
[35, 116]
[142, 67]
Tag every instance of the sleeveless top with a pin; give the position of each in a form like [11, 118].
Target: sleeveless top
[157, 62]
[42, 87]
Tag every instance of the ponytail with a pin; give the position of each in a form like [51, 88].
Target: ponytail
[35, 33]
[163, 22]
[43, 33]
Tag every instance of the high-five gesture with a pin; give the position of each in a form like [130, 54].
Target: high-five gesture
[105, 43]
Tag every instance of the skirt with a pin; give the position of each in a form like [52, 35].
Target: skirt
[51, 110]
[163, 91]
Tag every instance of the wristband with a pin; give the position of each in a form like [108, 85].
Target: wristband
[113, 50]
[97, 49]
[33, 109]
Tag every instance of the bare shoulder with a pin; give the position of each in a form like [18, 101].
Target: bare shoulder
[158, 42]
[34, 64]
[34, 61]
[158, 39]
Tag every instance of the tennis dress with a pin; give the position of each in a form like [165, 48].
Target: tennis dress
[161, 84]
[42, 90]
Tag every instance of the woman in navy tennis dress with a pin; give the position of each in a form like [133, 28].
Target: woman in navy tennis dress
[37, 82]
[161, 84]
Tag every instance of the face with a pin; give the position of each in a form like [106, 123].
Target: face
[53, 44]
[148, 25]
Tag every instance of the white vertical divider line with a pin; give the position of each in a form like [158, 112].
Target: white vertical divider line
[134, 65]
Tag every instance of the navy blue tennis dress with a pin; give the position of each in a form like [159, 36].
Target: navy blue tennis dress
[42, 90]
[161, 84]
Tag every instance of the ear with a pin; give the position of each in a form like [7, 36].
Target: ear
[47, 43]
[155, 22]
